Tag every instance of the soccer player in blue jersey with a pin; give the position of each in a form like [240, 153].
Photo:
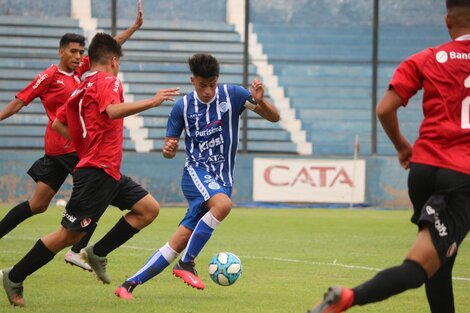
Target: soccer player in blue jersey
[210, 117]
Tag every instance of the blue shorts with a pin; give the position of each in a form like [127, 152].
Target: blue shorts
[198, 186]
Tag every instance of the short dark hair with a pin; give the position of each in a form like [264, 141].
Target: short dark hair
[457, 3]
[102, 48]
[69, 37]
[204, 65]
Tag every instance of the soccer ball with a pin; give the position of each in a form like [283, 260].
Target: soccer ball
[225, 268]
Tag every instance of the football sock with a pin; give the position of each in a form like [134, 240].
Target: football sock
[118, 235]
[201, 234]
[439, 289]
[84, 241]
[36, 258]
[155, 264]
[390, 282]
[16, 215]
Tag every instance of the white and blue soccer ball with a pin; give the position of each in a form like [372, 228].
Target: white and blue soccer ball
[225, 268]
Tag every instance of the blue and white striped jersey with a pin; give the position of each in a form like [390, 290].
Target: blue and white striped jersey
[212, 130]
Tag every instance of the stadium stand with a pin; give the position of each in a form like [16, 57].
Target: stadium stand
[327, 75]
[154, 58]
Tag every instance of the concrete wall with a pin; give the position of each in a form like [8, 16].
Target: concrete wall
[385, 180]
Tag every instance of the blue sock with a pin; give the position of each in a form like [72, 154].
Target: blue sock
[155, 264]
[201, 234]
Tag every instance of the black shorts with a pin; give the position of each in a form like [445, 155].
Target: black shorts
[93, 191]
[53, 169]
[441, 199]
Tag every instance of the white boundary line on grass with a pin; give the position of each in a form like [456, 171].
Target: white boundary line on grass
[334, 263]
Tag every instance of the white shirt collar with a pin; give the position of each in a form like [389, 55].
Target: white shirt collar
[463, 37]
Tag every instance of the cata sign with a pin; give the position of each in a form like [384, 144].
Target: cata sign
[308, 180]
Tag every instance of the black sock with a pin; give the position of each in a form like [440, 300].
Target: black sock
[119, 234]
[439, 289]
[84, 241]
[390, 282]
[36, 258]
[16, 215]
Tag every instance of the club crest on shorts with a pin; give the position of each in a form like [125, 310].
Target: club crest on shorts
[214, 186]
[452, 249]
[85, 222]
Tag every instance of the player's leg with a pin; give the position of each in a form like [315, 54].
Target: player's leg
[156, 263]
[43, 195]
[220, 206]
[412, 273]
[42, 253]
[143, 210]
[439, 290]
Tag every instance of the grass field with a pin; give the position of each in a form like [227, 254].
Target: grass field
[289, 256]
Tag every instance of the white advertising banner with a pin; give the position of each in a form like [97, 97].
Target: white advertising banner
[308, 180]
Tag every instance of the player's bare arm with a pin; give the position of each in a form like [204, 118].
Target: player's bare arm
[263, 107]
[387, 112]
[139, 20]
[61, 128]
[11, 108]
[170, 147]
[130, 108]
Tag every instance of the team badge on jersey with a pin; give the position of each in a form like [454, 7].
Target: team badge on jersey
[223, 106]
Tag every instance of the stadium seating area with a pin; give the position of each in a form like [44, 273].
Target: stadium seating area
[327, 74]
[154, 58]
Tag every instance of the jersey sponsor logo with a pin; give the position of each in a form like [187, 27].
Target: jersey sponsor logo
[208, 131]
[69, 217]
[444, 56]
[40, 80]
[216, 158]
[214, 142]
[61, 81]
[459, 55]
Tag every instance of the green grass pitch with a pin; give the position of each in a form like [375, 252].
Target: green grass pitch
[289, 258]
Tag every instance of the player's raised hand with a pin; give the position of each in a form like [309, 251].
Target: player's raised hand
[257, 89]
[167, 94]
[139, 19]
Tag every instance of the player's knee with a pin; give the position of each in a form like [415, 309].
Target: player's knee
[38, 207]
[151, 211]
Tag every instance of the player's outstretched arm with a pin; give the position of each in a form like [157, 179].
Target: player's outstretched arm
[121, 110]
[170, 147]
[121, 38]
[61, 128]
[263, 107]
[387, 113]
[11, 108]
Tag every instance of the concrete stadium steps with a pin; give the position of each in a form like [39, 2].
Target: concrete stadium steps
[326, 73]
